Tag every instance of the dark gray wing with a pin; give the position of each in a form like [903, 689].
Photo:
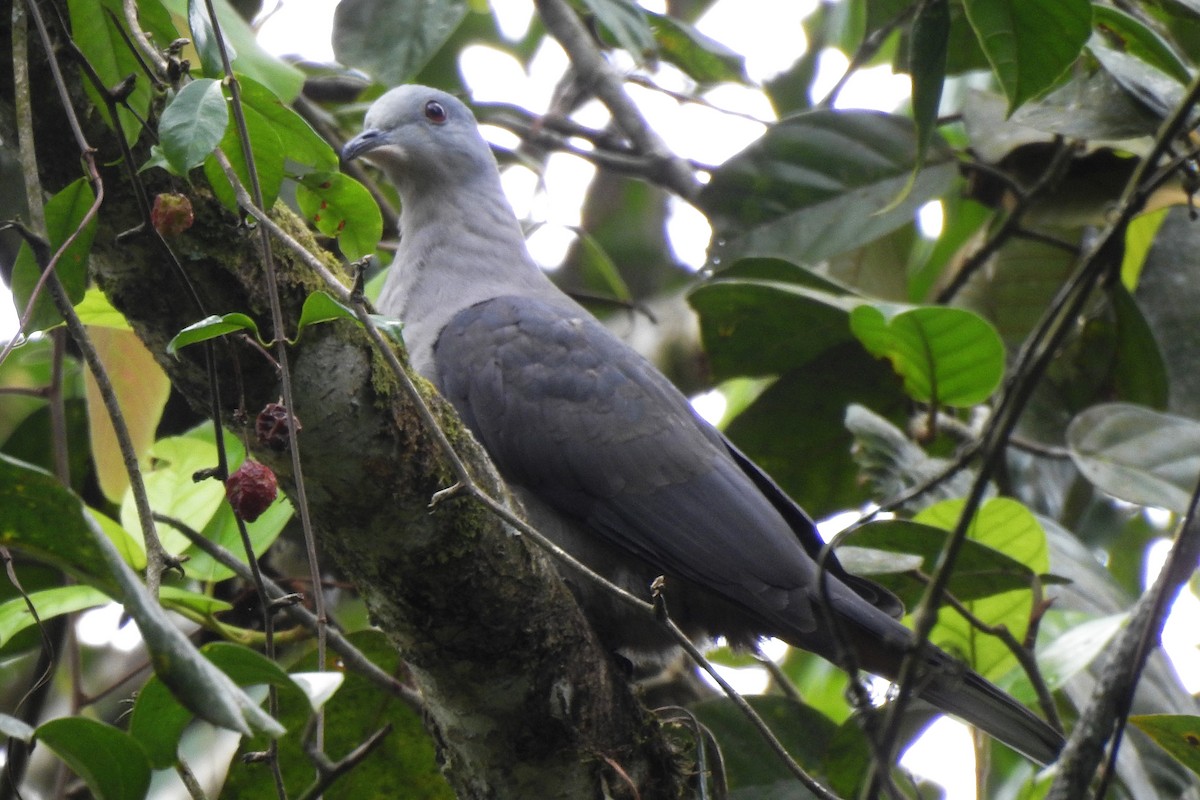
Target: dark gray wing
[569, 412]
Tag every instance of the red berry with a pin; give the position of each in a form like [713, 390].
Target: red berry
[172, 214]
[251, 489]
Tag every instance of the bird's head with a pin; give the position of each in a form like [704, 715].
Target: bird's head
[417, 134]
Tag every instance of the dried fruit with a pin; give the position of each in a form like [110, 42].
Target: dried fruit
[271, 426]
[172, 214]
[251, 490]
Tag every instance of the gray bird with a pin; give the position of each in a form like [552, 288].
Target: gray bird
[608, 457]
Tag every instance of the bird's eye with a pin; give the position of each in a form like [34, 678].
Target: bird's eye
[435, 112]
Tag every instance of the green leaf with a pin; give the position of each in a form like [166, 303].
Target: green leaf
[95, 311]
[204, 37]
[193, 124]
[391, 42]
[1178, 734]
[891, 463]
[171, 488]
[1005, 525]
[796, 434]
[298, 141]
[1065, 656]
[1136, 38]
[927, 63]
[767, 327]
[980, 571]
[43, 519]
[704, 60]
[223, 530]
[111, 762]
[15, 616]
[320, 307]
[96, 28]
[158, 718]
[600, 273]
[1140, 236]
[1029, 43]
[340, 207]
[65, 212]
[1136, 454]
[947, 356]
[174, 598]
[193, 680]
[210, 328]
[142, 389]
[820, 183]
[626, 21]
[268, 154]
[1140, 374]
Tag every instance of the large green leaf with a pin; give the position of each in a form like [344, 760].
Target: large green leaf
[767, 327]
[1066, 655]
[205, 40]
[142, 389]
[268, 153]
[43, 519]
[193, 124]
[65, 212]
[947, 356]
[341, 208]
[299, 142]
[1137, 454]
[96, 30]
[1178, 734]
[223, 530]
[192, 679]
[1007, 526]
[16, 617]
[820, 183]
[891, 463]
[111, 762]
[1139, 39]
[748, 759]
[1029, 43]
[980, 571]
[391, 42]
[172, 489]
[158, 718]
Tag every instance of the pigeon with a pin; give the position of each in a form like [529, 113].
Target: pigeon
[609, 459]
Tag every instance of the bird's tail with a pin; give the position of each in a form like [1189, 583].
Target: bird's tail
[967, 695]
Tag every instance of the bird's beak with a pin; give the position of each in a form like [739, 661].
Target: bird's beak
[365, 142]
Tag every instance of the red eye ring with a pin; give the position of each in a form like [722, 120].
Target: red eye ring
[436, 113]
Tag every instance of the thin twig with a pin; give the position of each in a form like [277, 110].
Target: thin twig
[1022, 653]
[1059, 162]
[600, 77]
